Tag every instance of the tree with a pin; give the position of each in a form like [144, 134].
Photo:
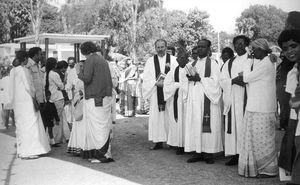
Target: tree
[198, 25]
[36, 13]
[4, 29]
[51, 22]
[18, 16]
[261, 21]
[246, 26]
[120, 19]
[15, 18]
[81, 16]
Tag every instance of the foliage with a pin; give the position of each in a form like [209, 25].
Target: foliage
[51, 21]
[14, 19]
[16, 22]
[173, 26]
[4, 29]
[261, 21]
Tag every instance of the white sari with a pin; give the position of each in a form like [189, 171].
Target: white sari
[30, 132]
[97, 122]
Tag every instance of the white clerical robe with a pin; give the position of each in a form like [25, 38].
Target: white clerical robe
[233, 97]
[176, 128]
[195, 139]
[158, 121]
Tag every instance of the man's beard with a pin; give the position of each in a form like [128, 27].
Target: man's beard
[161, 53]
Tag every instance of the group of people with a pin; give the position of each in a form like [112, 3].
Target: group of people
[202, 106]
[197, 104]
[72, 103]
[6, 111]
[129, 88]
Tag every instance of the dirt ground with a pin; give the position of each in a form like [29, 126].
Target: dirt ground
[136, 163]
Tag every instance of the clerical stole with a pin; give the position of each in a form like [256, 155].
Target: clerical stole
[160, 92]
[206, 118]
[176, 78]
[229, 127]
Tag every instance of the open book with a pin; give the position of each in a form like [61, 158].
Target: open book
[190, 70]
[161, 77]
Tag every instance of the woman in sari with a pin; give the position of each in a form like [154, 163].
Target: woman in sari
[77, 137]
[258, 157]
[30, 133]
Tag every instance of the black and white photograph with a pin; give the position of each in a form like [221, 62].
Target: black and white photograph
[150, 92]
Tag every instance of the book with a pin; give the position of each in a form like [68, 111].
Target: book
[161, 77]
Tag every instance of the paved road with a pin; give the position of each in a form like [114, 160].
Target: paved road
[135, 164]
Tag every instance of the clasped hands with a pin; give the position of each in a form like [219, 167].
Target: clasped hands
[194, 78]
[238, 80]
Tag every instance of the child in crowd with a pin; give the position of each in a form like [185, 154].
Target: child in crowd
[51, 118]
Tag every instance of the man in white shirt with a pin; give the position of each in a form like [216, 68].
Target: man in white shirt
[159, 64]
[234, 96]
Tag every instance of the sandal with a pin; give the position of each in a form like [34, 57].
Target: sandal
[30, 157]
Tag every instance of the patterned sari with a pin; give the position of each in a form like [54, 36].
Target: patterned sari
[258, 154]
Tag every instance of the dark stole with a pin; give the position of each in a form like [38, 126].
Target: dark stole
[160, 93]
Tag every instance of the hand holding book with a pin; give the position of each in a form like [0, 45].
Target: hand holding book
[160, 80]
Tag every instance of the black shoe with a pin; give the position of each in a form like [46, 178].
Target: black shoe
[209, 159]
[233, 161]
[113, 122]
[195, 158]
[105, 160]
[281, 129]
[55, 145]
[157, 146]
[110, 160]
[265, 176]
[180, 151]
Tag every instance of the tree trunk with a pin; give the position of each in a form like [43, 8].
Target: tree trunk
[36, 16]
[134, 12]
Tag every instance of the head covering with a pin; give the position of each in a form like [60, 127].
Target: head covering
[262, 44]
[293, 20]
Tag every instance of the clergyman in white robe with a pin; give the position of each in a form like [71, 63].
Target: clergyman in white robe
[158, 121]
[195, 139]
[176, 127]
[233, 97]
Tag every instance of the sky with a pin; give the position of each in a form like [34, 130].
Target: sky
[223, 13]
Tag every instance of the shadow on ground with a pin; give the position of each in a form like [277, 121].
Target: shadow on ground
[136, 163]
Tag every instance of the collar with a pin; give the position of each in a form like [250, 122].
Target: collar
[31, 62]
[162, 57]
[242, 56]
[203, 59]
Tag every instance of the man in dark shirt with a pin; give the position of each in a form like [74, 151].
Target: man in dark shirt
[283, 97]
